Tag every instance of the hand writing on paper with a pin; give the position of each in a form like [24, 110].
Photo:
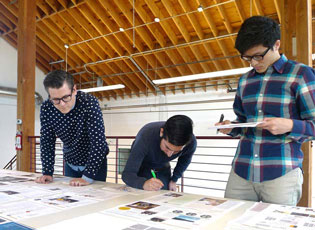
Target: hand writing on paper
[78, 182]
[277, 125]
[44, 179]
[153, 184]
[225, 131]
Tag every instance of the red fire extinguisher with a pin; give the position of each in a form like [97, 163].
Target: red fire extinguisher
[18, 140]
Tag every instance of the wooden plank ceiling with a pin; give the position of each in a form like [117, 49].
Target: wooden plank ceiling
[120, 42]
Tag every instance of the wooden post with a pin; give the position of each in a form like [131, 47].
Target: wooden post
[304, 55]
[26, 79]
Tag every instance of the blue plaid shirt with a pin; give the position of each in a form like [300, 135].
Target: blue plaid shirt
[287, 90]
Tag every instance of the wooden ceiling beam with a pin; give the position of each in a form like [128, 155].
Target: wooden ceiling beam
[102, 47]
[101, 29]
[9, 15]
[187, 59]
[55, 5]
[155, 31]
[198, 29]
[258, 7]
[41, 66]
[7, 22]
[59, 43]
[169, 54]
[64, 3]
[192, 18]
[73, 37]
[65, 40]
[182, 28]
[54, 56]
[10, 40]
[228, 27]
[164, 24]
[142, 32]
[43, 62]
[121, 38]
[153, 28]
[44, 6]
[277, 6]
[177, 20]
[61, 53]
[239, 9]
[116, 68]
[3, 27]
[121, 23]
[81, 33]
[215, 32]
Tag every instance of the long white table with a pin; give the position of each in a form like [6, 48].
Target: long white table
[83, 217]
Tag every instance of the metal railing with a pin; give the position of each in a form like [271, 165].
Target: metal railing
[208, 171]
[11, 164]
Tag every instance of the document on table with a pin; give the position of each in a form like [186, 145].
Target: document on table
[236, 125]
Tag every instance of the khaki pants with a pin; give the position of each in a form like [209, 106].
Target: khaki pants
[285, 190]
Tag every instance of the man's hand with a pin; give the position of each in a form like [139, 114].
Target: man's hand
[153, 184]
[172, 186]
[44, 179]
[277, 125]
[78, 182]
[225, 131]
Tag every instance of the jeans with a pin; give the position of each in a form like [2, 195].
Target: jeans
[100, 176]
[285, 190]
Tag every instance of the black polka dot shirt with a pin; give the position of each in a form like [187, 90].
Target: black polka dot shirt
[81, 130]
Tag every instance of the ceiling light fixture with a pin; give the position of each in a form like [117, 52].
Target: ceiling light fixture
[200, 8]
[156, 19]
[121, 29]
[66, 46]
[103, 88]
[222, 73]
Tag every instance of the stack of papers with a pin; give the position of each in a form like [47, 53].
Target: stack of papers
[274, 217]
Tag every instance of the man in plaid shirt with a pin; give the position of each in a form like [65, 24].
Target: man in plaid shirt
[280, 93]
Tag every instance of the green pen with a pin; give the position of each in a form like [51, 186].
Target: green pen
[153, 173]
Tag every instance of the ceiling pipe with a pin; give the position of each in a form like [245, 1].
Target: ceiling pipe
[149, 23]
[13, 92]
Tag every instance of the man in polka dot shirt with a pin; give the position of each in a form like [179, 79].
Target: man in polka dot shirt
[156, 144]
[76, 118]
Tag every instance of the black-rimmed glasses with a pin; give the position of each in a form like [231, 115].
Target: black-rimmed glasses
[66, 98]
[257, 57]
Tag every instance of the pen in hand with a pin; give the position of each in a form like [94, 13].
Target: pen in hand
[221, 119]
[153, 173]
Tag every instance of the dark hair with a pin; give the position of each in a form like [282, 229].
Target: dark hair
[55, 79]
[257, 30]
[178, 130]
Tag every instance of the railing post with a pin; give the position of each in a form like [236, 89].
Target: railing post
[182, 183]
[116, 171]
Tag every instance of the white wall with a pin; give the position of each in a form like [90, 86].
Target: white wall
[8, 78]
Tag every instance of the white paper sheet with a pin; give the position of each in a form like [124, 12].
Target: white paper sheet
[236, 125]
[99, 221]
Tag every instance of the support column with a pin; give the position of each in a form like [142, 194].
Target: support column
[26, 79]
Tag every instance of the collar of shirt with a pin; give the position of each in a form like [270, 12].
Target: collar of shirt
[280, 64]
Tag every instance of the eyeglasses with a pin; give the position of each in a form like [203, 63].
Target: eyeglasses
[257, 57]
[66, 98]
